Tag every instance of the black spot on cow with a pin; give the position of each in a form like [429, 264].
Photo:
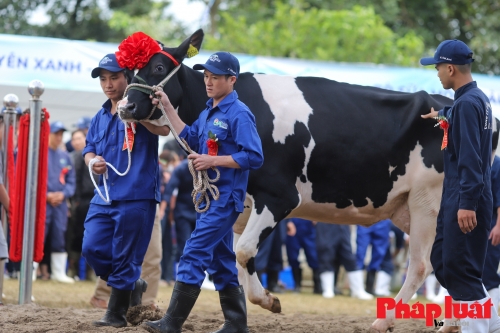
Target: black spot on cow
[303, 178]
[251, 265]
[364, 137]
[263, 235]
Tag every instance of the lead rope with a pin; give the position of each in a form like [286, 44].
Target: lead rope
[105, 175]
[202, 183]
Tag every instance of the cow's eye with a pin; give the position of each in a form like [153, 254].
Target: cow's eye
[159, 68]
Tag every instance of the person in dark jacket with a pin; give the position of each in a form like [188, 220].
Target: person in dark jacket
[60, 187]
[464, 219]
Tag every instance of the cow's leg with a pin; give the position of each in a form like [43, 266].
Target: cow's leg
[260, 225]
[423, 214]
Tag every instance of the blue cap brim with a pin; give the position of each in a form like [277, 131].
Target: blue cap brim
[97, 71]
[428, 61]
[211, 69]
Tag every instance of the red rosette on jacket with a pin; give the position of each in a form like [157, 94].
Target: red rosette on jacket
[213, 147]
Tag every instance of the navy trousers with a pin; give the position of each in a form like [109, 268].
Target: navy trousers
[56, 224]
[116, 238]
[458, 258]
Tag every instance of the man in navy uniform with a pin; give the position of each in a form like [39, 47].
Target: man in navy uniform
[117, 233]
[464, 219]
[60, 187]
[210, 247]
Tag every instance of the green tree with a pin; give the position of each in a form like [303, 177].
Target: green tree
[154, 23]
[105, 21]
[14, 16]
[473, 21]
[357, 35]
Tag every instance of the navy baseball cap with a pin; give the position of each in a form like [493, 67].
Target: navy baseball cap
[449, 51]
[221, 63]
[108, 63]
[83, 123]
[57, 126]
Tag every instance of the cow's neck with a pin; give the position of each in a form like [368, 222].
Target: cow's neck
[194, 95]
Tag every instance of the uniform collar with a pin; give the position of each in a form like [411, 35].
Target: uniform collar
[463, 89]
[226, 103]
[106, 107]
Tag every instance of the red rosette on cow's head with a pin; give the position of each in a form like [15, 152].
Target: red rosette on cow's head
[136, 50]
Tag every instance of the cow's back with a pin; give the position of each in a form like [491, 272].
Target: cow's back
[350, 142]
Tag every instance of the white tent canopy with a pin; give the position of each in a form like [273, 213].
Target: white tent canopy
[64, 67]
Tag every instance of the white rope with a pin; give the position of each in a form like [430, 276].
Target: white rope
[105, 175]
[202, 183]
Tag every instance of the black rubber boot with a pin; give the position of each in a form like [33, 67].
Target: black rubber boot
[370, 280]
[272, 282]
[136, 296]
[316, 283]
[183, 298]
[297, 278]
[118, 304]
[234, 307]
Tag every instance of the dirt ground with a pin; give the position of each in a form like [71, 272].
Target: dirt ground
[64, 308]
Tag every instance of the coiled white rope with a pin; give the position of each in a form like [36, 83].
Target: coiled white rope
[105, 175]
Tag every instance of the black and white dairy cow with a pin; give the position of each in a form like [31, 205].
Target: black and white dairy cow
[333, 152]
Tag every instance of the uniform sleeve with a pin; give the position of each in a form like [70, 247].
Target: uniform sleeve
[467, 138]
[495, 182]
[190, 134]
[69, 187]
[244, 131]
[90, 139]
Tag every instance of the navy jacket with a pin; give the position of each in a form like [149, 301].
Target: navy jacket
[105, 138]
[467, 158]
[234, 126]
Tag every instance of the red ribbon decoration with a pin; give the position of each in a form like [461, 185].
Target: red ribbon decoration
[18, 192]
[213, 147]
[135, 51]
[444, 126]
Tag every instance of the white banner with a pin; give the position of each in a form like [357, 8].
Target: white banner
[66, 64]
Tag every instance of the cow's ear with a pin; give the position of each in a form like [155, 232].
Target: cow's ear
[190, 47]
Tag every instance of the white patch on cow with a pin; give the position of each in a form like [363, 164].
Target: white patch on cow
[417, 178]
[391, 169]
[286, 102]
[136, 71]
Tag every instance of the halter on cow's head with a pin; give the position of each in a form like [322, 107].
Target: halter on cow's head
[155, 67]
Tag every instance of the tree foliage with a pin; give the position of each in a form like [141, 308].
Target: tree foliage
[105, 21]
[357, 35]
[473, 21]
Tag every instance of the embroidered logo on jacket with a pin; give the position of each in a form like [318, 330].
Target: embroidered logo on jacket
[220, 123]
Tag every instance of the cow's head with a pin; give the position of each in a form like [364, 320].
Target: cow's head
[154, 71]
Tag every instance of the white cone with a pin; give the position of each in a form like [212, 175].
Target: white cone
[430, 287]
[383, 284]
[58, 264]
[474, 325]
[442, 293]
[35, 267]
[357, 286]
[494, 321]
[207, 284]
[327, 282]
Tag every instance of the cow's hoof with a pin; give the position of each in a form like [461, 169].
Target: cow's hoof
[275, 304]
[381, 326]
